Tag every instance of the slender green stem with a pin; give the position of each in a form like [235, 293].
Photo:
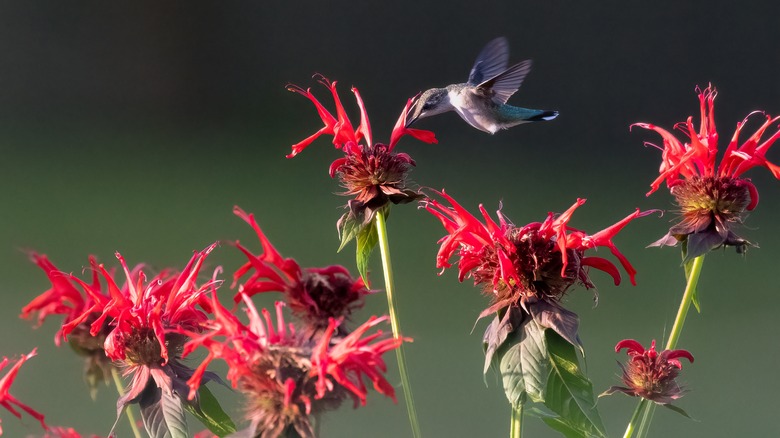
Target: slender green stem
[647, 418]
[685, 304]
[121, 390]
[645, 408]
[384, 248]
[516, 427]
[632, 424]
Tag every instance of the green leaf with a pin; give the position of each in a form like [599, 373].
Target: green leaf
[524, 363]
[556, 422]
[348, 228]
[211, 414]
[367, 240]
[568, 392]
[677, 409]
[163, 414]
[688, 265]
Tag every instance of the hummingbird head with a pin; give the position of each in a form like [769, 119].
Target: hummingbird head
[431, 102]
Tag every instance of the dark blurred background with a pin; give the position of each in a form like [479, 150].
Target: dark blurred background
[137, 126]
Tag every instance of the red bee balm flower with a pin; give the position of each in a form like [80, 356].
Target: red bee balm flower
[79, 310]
[649, 374]
[314, 294]
[372, 173]
[64, 432]
[142, 316]
[712, 199]
[7, 400]
[531, 266]
[287, 377]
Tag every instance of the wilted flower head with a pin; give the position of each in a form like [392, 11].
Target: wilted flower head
[7, 400]
[649, 374]
[287, 377]
[315, 295]
[712, 198]
[372, 173]
[79, 310]
[142, 316]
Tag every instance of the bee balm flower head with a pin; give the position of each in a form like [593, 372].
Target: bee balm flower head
[649, 374]
[712, 198]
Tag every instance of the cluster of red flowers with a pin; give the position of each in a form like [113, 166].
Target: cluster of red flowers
[288, 375]
[144, 326]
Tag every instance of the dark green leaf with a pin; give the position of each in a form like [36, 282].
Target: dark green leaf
[210, 413]
[348, 227]
[524, 363]
[568, 392]
[556, 423]
[367, 239]
[163, 414]
[677, 409]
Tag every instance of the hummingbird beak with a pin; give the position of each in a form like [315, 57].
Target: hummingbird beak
[410, 121]
[415, 113]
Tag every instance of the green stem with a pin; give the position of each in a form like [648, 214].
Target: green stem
[647, 418]
[120, 389]
[685, 304]
[384, 248]
[634, 419]
[644, 407]
[516, 427]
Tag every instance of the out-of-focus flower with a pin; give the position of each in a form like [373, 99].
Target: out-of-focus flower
[373, 174]
[142, 317]
[286, 377]
[524, 265]
[7, 400]
[64, 432]
[712, 199]
[314, 294]
[79, 310]
[649, 374]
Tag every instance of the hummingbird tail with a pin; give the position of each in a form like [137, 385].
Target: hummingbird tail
[543, 116]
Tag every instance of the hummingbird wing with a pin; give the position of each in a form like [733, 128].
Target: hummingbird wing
[491, 61]
[503, 85]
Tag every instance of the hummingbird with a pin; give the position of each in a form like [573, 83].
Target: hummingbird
[481, 101]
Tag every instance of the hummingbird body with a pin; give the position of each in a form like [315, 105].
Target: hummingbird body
[481, 101]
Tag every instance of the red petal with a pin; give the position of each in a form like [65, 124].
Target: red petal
[631, 345]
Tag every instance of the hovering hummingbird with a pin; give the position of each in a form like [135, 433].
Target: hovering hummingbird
[481, 101]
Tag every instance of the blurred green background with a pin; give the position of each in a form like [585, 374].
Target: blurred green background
[137, 126]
